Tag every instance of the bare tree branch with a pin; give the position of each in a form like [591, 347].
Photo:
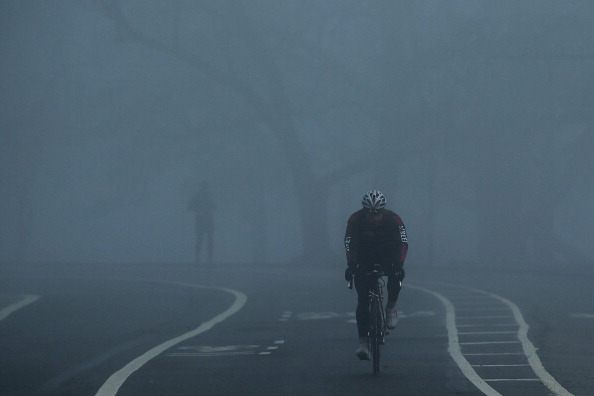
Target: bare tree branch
[127, 31]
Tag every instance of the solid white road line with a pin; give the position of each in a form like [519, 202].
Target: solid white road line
[500, 365]
[582, 315]
[486, 332]
[454, 346]
[488, 325]
[511, 379]
[493, 353]
[489, 342]
[116, 380]
[529, 349]
[198, 354]
[26, 300]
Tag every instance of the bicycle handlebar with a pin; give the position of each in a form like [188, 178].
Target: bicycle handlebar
[376, 271]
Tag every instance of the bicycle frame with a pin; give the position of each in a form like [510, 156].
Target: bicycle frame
[377, 320]
[377, 316]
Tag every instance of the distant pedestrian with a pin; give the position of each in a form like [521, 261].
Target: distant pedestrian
[202, 205]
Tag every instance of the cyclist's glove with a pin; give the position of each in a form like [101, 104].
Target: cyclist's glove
[348, 274]
[399, 274]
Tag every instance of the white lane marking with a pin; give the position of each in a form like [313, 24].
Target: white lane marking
[489, 325]
[272, 348]
[484, 317]
[454, 346]
[511, 379]
[285, 316]
[529, 349]
[489, 342]
[279, 342]
[351, 315]
[417, 314]
[582, 315]
[26, 300]
[116, 380]
[215, 349]
[500, 365]
[318, 315]
[207, 354]
[265, 353]
[485, 332]
[493, 353]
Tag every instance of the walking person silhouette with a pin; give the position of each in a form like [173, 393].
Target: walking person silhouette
[202, 205]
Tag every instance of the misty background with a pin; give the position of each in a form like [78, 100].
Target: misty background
[473, 117]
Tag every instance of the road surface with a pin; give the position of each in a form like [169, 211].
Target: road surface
[257, 330]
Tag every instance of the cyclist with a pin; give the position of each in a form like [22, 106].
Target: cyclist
[374, 235]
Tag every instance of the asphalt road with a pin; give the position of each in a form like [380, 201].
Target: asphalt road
[261, 331]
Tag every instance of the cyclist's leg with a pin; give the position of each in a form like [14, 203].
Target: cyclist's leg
[394, 287]
[376, 336]
[362, 286]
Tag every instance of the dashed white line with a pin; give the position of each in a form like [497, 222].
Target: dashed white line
[529, 349]
[493, 353]
[454, 346]
[485, 332]
[511, 379]
[500, 365]
[489, 325]
[116, 380]
[209, 354]
[489, 342]
[582, 315]
[285, 316]
[26, 300]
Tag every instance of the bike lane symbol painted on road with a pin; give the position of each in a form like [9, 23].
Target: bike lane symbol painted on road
[226, 350]
[218, 350]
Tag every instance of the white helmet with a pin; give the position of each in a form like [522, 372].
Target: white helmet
[374, 200]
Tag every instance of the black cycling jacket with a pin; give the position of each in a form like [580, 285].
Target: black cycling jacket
[375, 239]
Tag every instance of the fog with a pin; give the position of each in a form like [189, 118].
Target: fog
[473, 117]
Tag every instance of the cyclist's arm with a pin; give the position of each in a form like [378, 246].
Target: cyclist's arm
[350, 243]
[402, 242]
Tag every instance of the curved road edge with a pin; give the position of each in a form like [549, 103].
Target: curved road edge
[117, 379]
[529, 349]
[454, 345]
[26, 300]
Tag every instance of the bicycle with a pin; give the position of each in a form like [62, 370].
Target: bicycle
[377, 315]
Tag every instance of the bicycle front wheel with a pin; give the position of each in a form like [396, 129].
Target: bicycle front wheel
[376, 336]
